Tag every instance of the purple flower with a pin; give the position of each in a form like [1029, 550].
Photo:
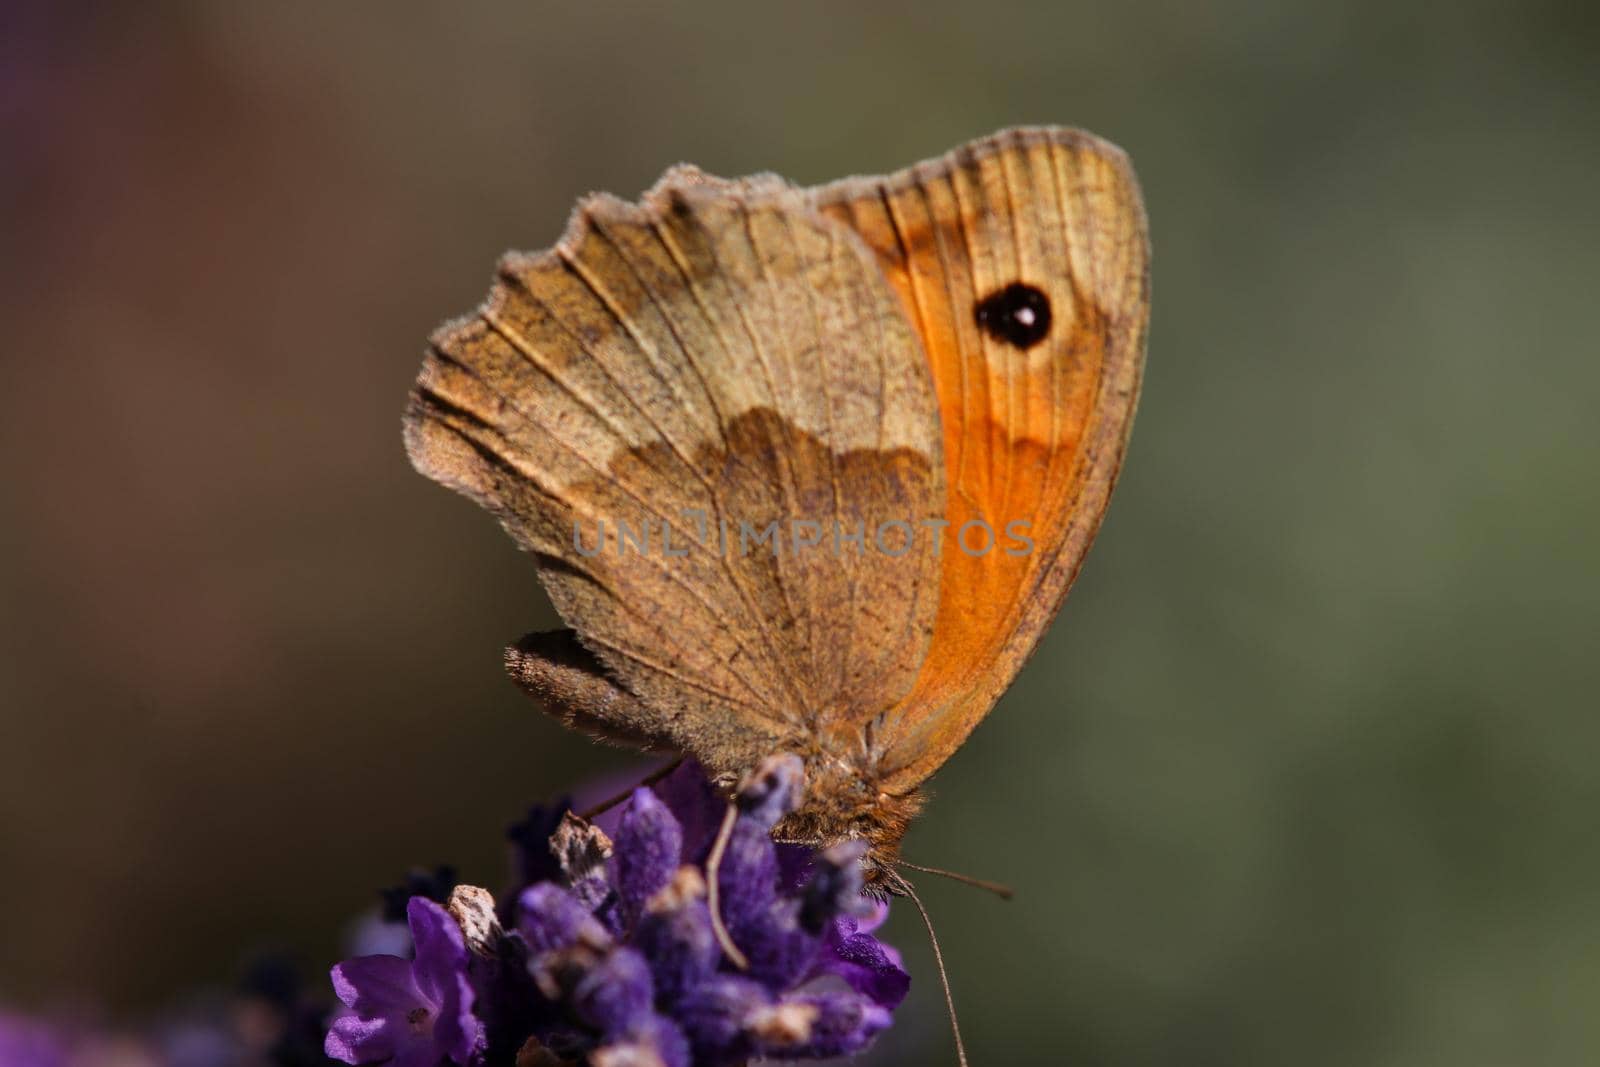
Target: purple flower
[614, 960]
[628, 950]
[408, 1013]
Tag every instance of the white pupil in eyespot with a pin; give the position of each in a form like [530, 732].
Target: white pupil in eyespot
[1024, 316]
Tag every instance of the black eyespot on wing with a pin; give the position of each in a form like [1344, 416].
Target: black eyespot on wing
[1018, 315]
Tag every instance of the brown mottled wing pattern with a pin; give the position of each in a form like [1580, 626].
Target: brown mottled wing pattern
[680, 374]
[1035, 416]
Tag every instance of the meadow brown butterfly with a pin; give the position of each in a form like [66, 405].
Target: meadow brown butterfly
[806, 471]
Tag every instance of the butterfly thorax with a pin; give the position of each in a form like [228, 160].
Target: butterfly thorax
[844, 803]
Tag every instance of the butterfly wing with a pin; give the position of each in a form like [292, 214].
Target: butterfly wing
[657, 408]
[1022, 260]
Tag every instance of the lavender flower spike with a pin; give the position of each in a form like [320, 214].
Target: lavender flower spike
[616, 963]
[408, 1013]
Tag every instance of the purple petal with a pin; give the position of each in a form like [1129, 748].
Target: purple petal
[373, 986]
[714, 1016]
[648, 847]
[874, 915]
[440, 971]
[550, 918]
[441, 951]
[680, 945]
[834, 1024]
[696, 804]
[609, 785]
[763, 925]
[747, 879]
[780, 952]
[617, 992]
[353, 1039]
[869, 967]
[456, 1031]
[600, 900]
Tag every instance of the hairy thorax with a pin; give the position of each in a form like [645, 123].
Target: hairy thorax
[844, 803]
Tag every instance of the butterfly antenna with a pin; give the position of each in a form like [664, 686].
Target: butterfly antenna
[938, 959]
[649, 780]
[999, 889]
[713, 889]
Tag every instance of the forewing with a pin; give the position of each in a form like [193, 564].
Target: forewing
[1035, 420]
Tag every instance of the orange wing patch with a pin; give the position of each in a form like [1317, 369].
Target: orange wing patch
[1021, 261]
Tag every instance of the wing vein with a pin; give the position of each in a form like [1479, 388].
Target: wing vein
[782, 665]
[784, 450]
[626, 487]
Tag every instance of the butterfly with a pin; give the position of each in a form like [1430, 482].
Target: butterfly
[805, 471]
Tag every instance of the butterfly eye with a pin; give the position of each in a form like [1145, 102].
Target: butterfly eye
[1017, 315]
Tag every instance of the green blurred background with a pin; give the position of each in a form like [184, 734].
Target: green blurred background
[1305, 773]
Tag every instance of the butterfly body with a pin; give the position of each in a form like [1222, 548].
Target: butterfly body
[806, 471]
